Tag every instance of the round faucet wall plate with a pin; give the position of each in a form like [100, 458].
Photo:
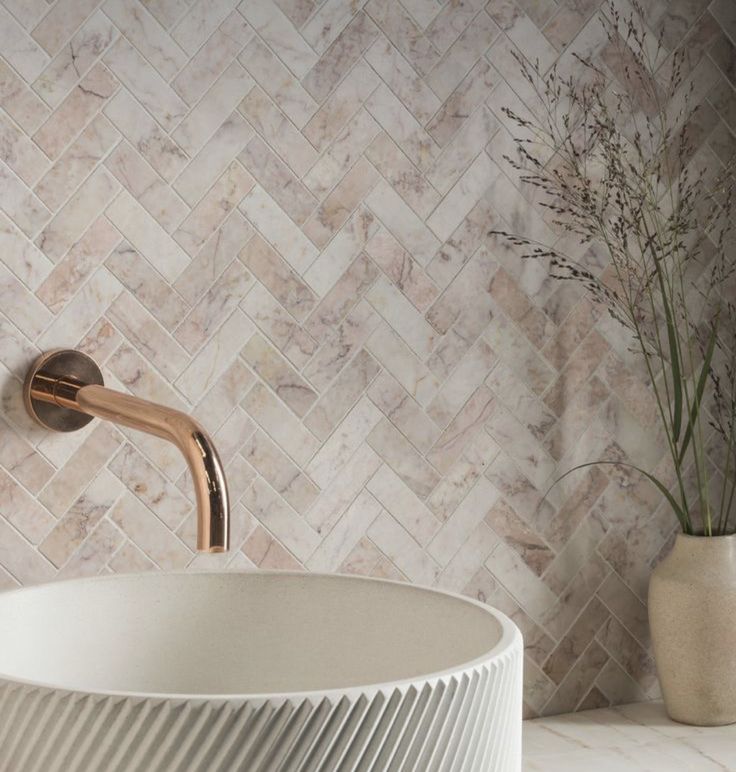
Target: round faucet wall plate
[69, 365]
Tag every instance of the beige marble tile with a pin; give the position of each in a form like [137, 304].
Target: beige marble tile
[279, 325]
[337, 260]
[140, 28]
[76, 110]
[278, 82]
[200, 20]
[75, 58]
[144, 283]
[19, 102]
[278, 180]
[404, 33]
[342, 394]
[147, 236]
[279, 33]
[215, 356]
[276, 129]
[76, 163]
[209, 113]
[78, 264]
[214, 207]
[216, 255]
[340, 345]
[80, 210]
[332, 122]
[403, 177]
[20, 51]
[145, 135]
[340, 56]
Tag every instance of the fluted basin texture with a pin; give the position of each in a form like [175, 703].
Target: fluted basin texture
[254, 672]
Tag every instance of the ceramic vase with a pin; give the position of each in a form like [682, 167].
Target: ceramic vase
[692, 615]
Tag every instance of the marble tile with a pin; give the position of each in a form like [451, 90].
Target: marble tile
[278, 215]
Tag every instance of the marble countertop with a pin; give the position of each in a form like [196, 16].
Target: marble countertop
[629, 738]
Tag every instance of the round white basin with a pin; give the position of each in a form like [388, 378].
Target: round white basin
[257, 671]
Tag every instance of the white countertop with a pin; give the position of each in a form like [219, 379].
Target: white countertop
[629, 738]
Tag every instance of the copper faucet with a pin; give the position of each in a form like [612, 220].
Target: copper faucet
[64, 389]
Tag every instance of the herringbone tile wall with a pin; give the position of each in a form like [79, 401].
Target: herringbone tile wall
[275, 215]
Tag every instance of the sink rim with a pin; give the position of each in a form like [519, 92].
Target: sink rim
[510, 635]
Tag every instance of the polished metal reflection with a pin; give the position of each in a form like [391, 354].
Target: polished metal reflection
[63, 384]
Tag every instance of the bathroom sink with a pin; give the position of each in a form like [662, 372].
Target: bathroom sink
[255, 671]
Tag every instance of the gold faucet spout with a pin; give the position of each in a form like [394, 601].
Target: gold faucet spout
[45, 386]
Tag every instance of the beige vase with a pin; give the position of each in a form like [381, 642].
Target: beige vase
[692, 614]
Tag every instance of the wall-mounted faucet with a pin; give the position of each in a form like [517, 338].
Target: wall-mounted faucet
[64, 389]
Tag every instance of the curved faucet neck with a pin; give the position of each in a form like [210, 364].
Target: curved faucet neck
[213, 531]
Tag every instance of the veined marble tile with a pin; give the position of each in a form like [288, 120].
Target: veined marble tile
[398, 453]
[211, 111]
[278, 180]
[343, 296]
[78, 264]
[145, 84]
[147, 236]
[276, 275]
[20, 153]
[148, 485]
[286, 383]
[342, 394]
[26, 109]
[338, 206]
[334, 262]
[219, 251]
[20, 204]
[280, 425]
[73, 219]
[276, 226]
[280, 472]
[146, 35]
[404, 33]
[280, 34]
[146, 334]
[215, 356]
[23, 53]
[403, 176]
[75, 164]
[23, 511]
[203, 69]
[276, 80]
[164, 548]
[339, 120]
[403, 80]
[76, 110]
[340, 345]
[200, 21]
[213, 208]
[18, 303]
[340, 56]
[291, 529]
[343, 442]
[398, 359]
[82, 310]
[279, 325]
[21, 256]
[402, 127]
[405, 225]
[398, 545]
[341, 540]
[402, 269]
[143, 281]
[276, 129]
[145, 135]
